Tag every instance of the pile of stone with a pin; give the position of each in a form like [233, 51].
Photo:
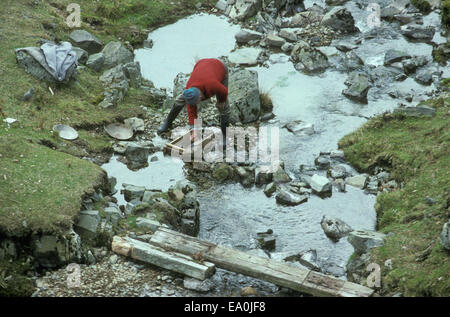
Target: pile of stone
[178, 208]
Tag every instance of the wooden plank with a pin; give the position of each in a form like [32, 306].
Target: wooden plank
[172, 261]
[302, 280]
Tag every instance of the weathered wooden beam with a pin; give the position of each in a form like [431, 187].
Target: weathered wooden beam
[172, 261]
[283, 274]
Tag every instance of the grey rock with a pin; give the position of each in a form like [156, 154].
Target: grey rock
[95, 61]
[287, 47]
[299, 127]
[285, 197]
[153, 225]
[248, 56]
[263, 175]
[86, 41]
[280, 175]
[149, 195]
[51, 251]
[244, 36]
[136, 124]
[445, 236]
[335, 228]
[358, 87]
[312, 59]
[337, 155]
[222, 5]
[394, 56]
[338, 171]
[345, 46]
[322, 162]
[82, 55]
[424, 77]
[309, 259]
[132, 192]
[288, 34]
[244, 9]
[340, 183]
[148, 43]
[418, 32]
[113, 215]
[197, 285]
[89, 221]
[418, 111]
[186, 186]
[364, 240]
[340, 19]
[358, 181]
[275, 40]
[411, 65]
[133, 73]
[320, 184]
[244, 96]
[352, 61]
[270, 189]
[28, 95]
[115, 54]
[137, 154]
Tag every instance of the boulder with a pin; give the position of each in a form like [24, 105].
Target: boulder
[335, 228]
[424, 77]
[340, 19]
[418, 32]
[358, 87]
[275, 40]
[86, 41]
[322, 162]
[285, 197]
[312, 60]
[146, 223]
[222, 172]
[364, 240]
[132, 72]
[115, 53]
[358, 181]
[394, 56]
[445, 236]
[244, 95]
[89, 222]
[82, 55]
[113, 214]
[263, 175]
[244, 9]
[338, 171]
[299, 127]
[352, 61]
[132, 192]
[95, 61]
[244, 36]
[270, 189]
[245, 56]
[417, 111]
[411, 65]
[52, 251]
[320, 184]
[137, 155]
[288, 34]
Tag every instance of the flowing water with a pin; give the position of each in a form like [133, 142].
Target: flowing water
[232, 215]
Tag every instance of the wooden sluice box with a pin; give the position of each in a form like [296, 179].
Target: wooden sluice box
[181, 143]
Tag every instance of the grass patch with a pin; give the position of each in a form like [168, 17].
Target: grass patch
[417, 152]
[266, 101]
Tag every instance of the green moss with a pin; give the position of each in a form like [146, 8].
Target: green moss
[416, 151]
[446, 13]
[423, 5]
[13, 280]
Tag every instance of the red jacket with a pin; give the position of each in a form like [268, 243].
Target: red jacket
[207, 76]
